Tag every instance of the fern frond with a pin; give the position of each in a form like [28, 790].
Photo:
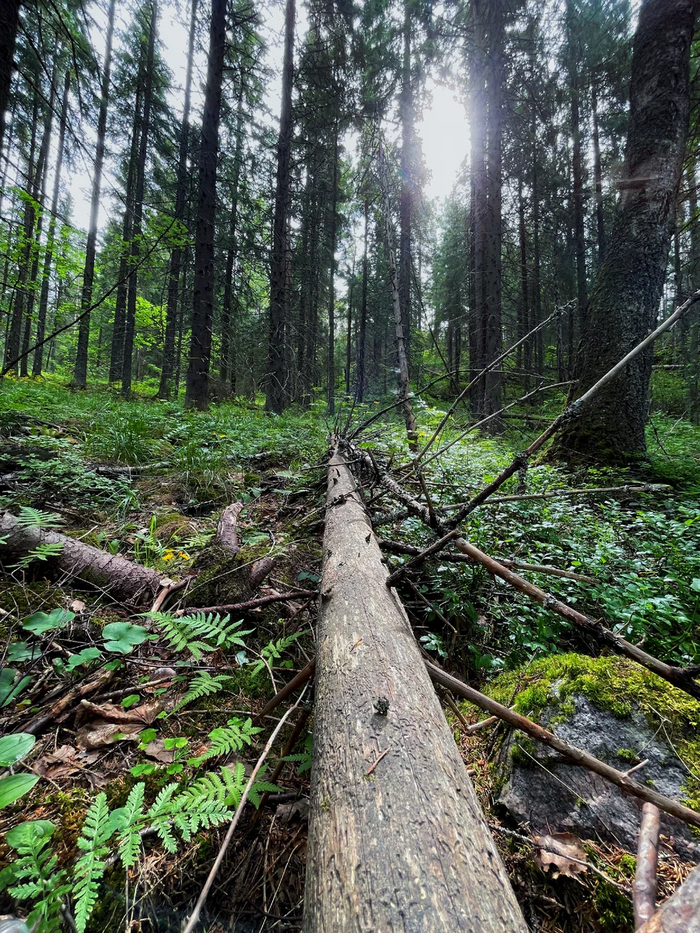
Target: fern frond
[35, 518]
[203, 685]
[35, 869]
[90, 867]
[227, 739]
[130, 825]
[199, 633]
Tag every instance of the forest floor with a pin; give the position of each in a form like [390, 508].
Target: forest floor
[174, 715]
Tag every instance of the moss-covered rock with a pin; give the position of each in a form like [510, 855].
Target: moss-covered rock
[620, 713]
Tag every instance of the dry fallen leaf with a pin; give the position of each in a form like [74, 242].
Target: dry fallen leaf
[557, 851]
[98, 733]
[146, 713]
[156, 749]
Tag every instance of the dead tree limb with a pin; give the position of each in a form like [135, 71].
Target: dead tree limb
[576, 755]
[227, 529]
[397, 840]
[398, 547]
[681, 912]
[249, 604]
[644, 888]
[297, 681]
[571, 411]
[678, 676]
[122, 578]
[611, 491]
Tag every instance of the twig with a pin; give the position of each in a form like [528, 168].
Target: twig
[644, 888]
[194, 917]
[376, 762]
[296, 682]
[577, 755]
[251, 603]
[420, 557]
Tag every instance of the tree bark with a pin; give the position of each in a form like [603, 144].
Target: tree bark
[197, 392]
[406, 195]
[9, 24]
[140, 187]
[37, 365]
[404, 381]
[477, 352]
[332, 236]
[361, 350]
[681, 912]
[227, 366]
[572, 28]
[123, 579]
[630, 280]
[277, 394]
[397, 840]
[81, 358]
[598, 175]
[171, 316]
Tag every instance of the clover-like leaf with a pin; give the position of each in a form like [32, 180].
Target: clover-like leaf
[39, 622]
[122, 637]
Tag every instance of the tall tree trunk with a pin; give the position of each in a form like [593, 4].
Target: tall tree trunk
[81, 358]
[630, 281]
[524, 305]
[572, 27]
[332, 236]
[348, 332]
[276, 395]
[493, 335]
[34, 274]
[693, 360]
[477, 336]
[197, 391]
[538, 354]
[226, 364]
[404, 381]
[51, 237]
[140, 187]
[117, 351]
[9, 24]
[361, 350]
[171, 313]
[406, 196]
[35, 173]
[598, 175]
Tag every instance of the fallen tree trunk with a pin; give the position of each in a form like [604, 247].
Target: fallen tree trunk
[121, 578]
[397, 840]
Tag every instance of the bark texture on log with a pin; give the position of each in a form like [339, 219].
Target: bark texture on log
[644, 888]
[122, 578]
[681, 912]
[397, 840]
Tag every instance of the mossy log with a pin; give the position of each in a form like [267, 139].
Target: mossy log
[123, 579]
[397, 839]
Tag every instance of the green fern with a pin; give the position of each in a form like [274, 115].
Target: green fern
[90, 867]
[203, 685]
[35, 518]
[304, 758]
[43, 551]
[34, 875]
[129, 821]
[273, 652]
[199, 633]
[227, 739]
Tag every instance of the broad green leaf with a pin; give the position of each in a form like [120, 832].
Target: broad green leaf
[23, 833]
[15, 786]
[122, 637]
[14, 747]
[40, 622]
[83, 657]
